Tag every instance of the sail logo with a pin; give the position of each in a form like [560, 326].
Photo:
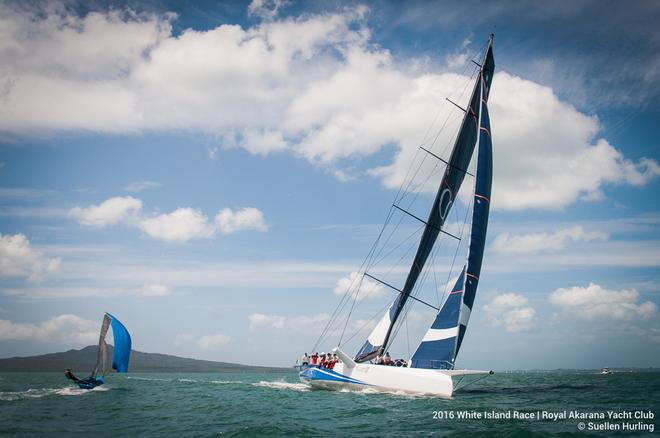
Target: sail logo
[444, 206]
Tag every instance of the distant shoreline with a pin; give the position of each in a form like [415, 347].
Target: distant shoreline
[84, 359]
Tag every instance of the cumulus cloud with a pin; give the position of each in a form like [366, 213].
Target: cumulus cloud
[528, 243]
[181, 225]
[595, 302]
[360, 287]
[511, 311]
[531, 168]
[19, 259]
[62, 329]
[109, 212]
[312, 85]
[249, 218]
[265, 321]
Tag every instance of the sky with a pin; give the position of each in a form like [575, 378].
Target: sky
[214, 173]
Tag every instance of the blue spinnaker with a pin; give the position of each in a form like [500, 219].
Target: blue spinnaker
[122, 346]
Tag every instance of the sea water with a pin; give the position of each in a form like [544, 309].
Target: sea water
[277, 404]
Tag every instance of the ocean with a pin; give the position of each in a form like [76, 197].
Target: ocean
[520, 404]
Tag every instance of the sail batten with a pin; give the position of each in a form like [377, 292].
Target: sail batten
[452, 179]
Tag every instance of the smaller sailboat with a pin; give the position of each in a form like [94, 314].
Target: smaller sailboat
[120, 357]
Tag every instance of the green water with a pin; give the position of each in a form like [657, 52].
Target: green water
[276, 404]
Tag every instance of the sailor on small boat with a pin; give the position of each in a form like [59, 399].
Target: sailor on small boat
[88, 383]
[69, 375]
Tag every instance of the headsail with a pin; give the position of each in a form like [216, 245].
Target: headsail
[449, 187]
[122, 347]
[440, 345]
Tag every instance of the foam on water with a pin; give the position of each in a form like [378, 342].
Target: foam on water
[281, 384]
[44, 392]
[371, 391]
[148, 379]
[226, 382]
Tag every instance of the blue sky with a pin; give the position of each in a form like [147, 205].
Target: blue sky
[212, 174]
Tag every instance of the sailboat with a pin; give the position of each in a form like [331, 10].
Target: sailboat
[120, 357]
[432, 366]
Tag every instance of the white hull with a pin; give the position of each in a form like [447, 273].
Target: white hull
[381, 377]
[360, 376]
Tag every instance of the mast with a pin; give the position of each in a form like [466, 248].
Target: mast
[444, 199]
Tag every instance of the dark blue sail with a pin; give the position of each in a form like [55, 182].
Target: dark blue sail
[122, 353]
[444, 199]
[438, 345]
[480, 213]
[441, 343]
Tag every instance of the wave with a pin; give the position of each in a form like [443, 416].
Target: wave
[226, 382]
[371, 391]
[281, 384]
[44, 392]
[150, 379]
[186, 380]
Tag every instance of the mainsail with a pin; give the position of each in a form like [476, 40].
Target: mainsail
[122, 347]
[440, 345]
[451, 182]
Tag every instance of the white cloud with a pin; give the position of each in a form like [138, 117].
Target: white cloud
[311, 85]
[595, 302]
[531, 168]
[290, 323]
[206, 342]
[114, 274]
[462, 56]
[109, 212]
[212, 342]
[181, 225]
[249, 218]
[62, 329]
[153, 290]
[139, 186]
[19, 259]
[511, 311]
[266, 9]
[360, 287]
[535, 242]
